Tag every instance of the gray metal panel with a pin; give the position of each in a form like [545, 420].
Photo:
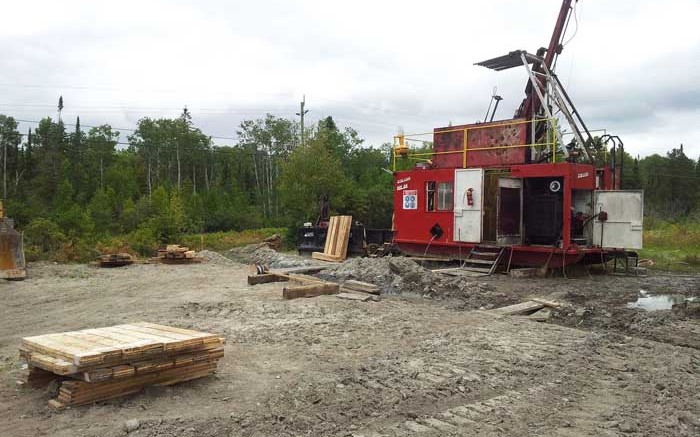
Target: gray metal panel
[624, 226]
[511, 60]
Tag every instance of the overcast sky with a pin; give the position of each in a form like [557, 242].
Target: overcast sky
[632, 67]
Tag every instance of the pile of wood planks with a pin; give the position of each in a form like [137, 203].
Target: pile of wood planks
[115, 259]
[176, 254]
[337, 238]
[97, 364]
[300, 285]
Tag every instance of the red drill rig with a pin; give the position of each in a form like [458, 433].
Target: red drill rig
[511, 191]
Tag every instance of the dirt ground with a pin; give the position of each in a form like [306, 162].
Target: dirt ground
[432, 362]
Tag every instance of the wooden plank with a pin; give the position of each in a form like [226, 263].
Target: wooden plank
[305, 269]
[332, 249]
[331, 235]
[48, 363]
[520, 308]
[541, 315]
[549, 303]
[344, 237]
[336, 246]
[310, 290]
[363, 297]
[323, 257]
[166, 337]
[46, 345]
[305, 279]
[88, 347]
[190, 332]
[266, 278]
[364, 287]
[460, 271]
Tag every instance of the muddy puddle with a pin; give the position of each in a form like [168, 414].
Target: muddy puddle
[658, 302]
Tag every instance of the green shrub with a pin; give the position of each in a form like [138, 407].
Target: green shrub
[44, 236]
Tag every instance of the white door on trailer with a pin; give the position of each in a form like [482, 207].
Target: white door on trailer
[468, 204]
[623, 227]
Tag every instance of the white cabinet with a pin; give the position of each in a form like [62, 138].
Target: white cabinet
[623, 227]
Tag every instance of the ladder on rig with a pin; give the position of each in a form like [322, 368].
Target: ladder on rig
[483, 259]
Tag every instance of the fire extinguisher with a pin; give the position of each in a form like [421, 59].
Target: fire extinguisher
[470, 197]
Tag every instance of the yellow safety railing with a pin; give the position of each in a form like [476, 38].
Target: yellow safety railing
[401, 147]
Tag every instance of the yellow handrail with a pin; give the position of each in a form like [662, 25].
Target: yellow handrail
[403, 140]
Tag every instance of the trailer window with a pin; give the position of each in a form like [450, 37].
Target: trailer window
[430, 195]
[444, 190]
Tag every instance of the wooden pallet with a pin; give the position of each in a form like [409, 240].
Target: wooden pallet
[337, 238]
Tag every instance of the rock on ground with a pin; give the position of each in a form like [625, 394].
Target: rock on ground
[213, 257]
[401, 275]
[262, 254]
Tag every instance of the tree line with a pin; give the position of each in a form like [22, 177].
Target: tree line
[67, 186]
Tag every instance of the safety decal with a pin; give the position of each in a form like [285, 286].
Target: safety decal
[410, 199]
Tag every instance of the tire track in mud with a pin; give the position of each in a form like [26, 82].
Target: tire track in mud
[402, 369]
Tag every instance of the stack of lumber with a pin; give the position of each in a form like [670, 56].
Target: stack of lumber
[176, 254]
[98, 364]
[299, 285]
[115, 259]
[337, 238]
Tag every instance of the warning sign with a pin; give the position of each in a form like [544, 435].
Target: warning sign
[410, 199]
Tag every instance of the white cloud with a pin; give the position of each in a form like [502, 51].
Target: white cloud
[632, 66]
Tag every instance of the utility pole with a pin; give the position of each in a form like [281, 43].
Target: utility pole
[301, 113]
[60, 107]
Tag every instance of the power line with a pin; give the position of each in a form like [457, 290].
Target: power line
[116, 128]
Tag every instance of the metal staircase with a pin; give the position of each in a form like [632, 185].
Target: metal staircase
[483, 259]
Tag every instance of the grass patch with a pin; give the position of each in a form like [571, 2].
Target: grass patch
[219, 241]
[673, 246]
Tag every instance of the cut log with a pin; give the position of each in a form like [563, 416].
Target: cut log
[310, 290]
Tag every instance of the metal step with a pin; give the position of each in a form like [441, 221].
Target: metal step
[484, 254]
[486, 262]
[476, 269]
